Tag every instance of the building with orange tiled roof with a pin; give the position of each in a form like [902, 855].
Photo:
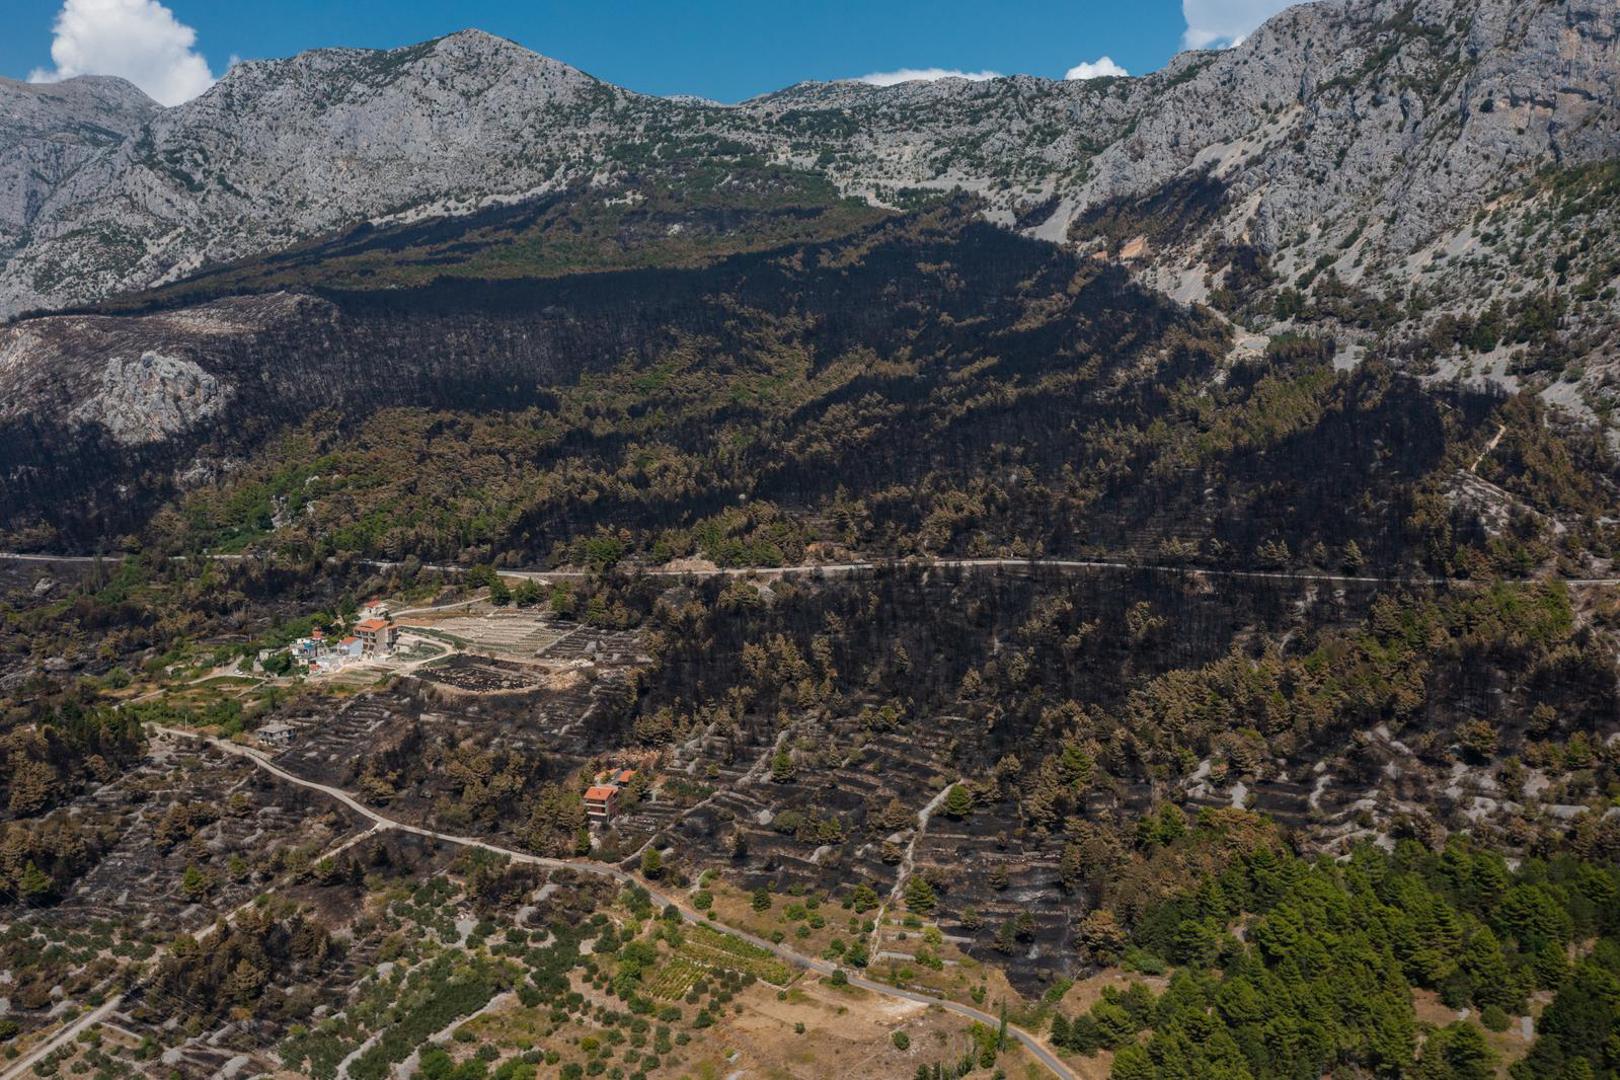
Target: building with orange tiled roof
[601, 802]
[377, 636]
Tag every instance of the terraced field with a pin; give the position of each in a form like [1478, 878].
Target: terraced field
[675, 977]
[522, 632]
[713, 949]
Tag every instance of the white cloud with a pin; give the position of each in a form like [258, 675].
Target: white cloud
[139, 40]
[891, 78]
[1101, 68]
[1224, 23]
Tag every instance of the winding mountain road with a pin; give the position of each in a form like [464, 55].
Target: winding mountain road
[842, 569]
[798, 960]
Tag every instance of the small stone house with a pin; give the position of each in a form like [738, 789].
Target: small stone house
[275, 733]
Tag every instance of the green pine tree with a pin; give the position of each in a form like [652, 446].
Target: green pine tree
[34, 886]
[958, 802]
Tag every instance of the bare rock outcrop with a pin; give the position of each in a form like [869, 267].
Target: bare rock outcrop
[152, 397]
[1387, 119]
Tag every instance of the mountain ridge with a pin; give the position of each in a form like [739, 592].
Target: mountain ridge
[48, 131]
[1330, 174]
[1252, 79]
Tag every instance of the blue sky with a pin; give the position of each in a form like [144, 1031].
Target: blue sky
[724, 49]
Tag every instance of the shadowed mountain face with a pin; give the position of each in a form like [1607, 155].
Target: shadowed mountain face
[888, 310]
[926, 384]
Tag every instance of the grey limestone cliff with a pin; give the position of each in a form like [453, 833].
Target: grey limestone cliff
[1347, 148]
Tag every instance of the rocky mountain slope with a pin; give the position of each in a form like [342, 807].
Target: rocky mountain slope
[1428, 182]
[926, 384]
[1363, 128]
[48, 132]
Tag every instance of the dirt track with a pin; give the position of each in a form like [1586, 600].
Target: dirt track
[1030, 1042]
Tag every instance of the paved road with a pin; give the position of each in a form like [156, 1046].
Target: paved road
[17, 556]
[846, 568]
[798, 960]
